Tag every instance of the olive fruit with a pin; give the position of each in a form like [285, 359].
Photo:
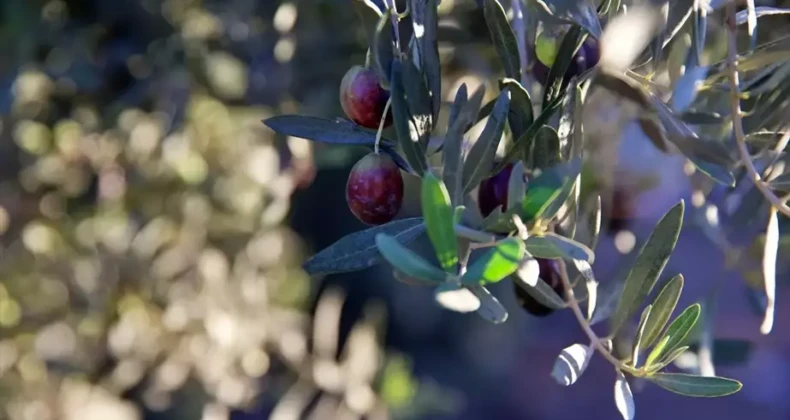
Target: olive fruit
[545, 51]
[374, 190]
[362, 97]
[492, 191]
[549, 273]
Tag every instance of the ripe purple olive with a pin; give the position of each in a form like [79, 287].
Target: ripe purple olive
[550, 273]
[362, 97]
[374, 190]
[586, 58]
[492, 192]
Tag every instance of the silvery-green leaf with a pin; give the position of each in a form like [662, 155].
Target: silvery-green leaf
[490, 308]
[528, 271]
[551, 245]
[592, 227]
[640, 330]
[456, 298]
[425, 20]
[358, 250]
[571, 364]
[546, 148]
[769, 269]
[547, 192]
[521, 113]
[503, 37]
[407, 130]
[591, 285]
[555, 81]
[623, 397]
[516, 185]
[480, 158]
[676, 333]
[686, 88]
[419, 99]
[580, 12]
[696, 386]
[406, 261]
[323, 130]
[523, 141]
[452, 157]
[663, 306]
[676, 61]
[649, 264]
[542, 293]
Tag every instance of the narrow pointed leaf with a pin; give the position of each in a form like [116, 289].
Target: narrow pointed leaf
[590, 285]
[452, 154]
[663, 307]
[549, 190]
[640, 331]
[546, 148]
[555, 82]
[769, 269]
[358, 250]
[425, 20]
[516, 185]
[523, 141]
[666, 360]
[521, 114]
[696, 386]
[542, 293]
[553, 246]
[593, 227]
[580, 12]
[438, 214]
[781, 183]
[528, 271]
[480, 158]
[406, 261]
[490, 308]
[676, 333]
[652, 259]
[456, 298]
[407, 131]
[503, 37]
[419, 99]
[323, 130]
[571, 364]
[497, 263]
[623, 397]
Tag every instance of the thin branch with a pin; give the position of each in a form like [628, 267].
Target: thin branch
[737, 122]
[596, 341]
[394, 17]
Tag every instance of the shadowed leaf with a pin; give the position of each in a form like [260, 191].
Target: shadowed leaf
[696, 386]
[406, 261]
[503, 37]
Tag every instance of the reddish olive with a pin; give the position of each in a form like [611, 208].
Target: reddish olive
[362, 97]
[374, 190]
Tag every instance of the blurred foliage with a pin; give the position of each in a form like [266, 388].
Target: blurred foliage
[146, 264]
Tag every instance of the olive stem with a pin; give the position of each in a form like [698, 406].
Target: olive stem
[596, 341]
[737, 121]
[394, 17]
[381, 125]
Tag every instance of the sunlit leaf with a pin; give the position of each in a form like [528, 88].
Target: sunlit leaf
[696, 386]
[549, 190]
[640, 330]
[497, 263]
[676, 333]
[571, 364]
[648, 266]
[663, 306]
[358, 250]
[528, 271]
[438, 213]
[769, 269]
[407, 261]
[623, 397]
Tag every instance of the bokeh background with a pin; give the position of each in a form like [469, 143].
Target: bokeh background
[153, 231]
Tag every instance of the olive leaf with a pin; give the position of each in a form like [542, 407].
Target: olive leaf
[497, 263]
[490, 308]
[546, 148]
[663, 306]
[548, 191]
[452, 155]
[419, 100]
[358, 250]
[407, 130]
[383, 54]
[676, 333]
[516, 186]
[438, 213]
[323, 130]
[481, 156]
[553, 246]
[696, 386]
[623, 397]
[425, 20]
[640, 331]
[456, 298]
[503, 37]
[571, 364]
[651, 260]
[556, 82]
[769, 269]
[523, 142]
[528, 271]
[521, 114]
[406, 261]
[580, 12]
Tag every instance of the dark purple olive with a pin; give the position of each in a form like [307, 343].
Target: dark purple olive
[549, 273]
[362, 97]
[492, 191]
[374, 190]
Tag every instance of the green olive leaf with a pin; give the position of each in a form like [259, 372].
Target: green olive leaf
[553, 246]
[481, 156]
[676, 333]
[521, 114]
[556, 82]
[503, 37]
[696, 386]
[649, 264]
[546, 148]
[497, 263]
[408, 131]
[406, 261]
[663, 306]
[439, 216]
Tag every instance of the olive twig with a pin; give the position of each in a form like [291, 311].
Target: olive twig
[394, 16]
[596, 341]
[737, 121]
[381, 125]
